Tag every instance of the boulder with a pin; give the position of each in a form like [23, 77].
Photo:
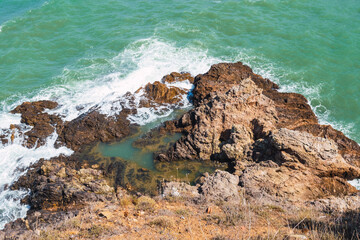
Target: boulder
[220, 187]
[177, 77]
[160, 93]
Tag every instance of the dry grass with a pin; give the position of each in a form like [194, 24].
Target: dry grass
[145, 203]
[162, 222]
[184, 220]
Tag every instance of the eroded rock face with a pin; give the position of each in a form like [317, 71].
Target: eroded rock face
[271, 140]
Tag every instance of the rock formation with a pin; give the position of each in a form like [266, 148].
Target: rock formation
[42, 123]
[58, 183]
[272, 140]
[274, 146]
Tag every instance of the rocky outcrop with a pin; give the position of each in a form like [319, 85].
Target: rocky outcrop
[56, 184]
[177, 77]
[220, 187]
[94, 126]
[274, 146]
[160, 93]
[336, 204]
[272, 140]
[165, 92]
[42, 123]
[215, 188]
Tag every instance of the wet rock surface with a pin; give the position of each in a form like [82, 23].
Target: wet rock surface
[94, 126]
[177, 77]
[42, 123]
[159, 93]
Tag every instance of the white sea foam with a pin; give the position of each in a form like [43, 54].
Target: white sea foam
[355, 183]
[14, 161]
[144, 61]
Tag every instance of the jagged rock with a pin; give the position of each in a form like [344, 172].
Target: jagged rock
[29, 228]
[44, 124]
[208, 126]
[348, 148]
[317, 153]
[177, 77]
[272, 140]
[222, 77]
[218, 187]
[179, 189]
[336, 204]
[159, 93]
[38, 106]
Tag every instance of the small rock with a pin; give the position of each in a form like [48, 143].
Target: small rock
[95, 166]
[37, 232]
[209, 210]
[297, 237]
[106, 214]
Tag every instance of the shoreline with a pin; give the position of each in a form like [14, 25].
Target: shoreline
[238, 118]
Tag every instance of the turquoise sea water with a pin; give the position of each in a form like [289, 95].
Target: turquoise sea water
[86, 53]
[311, 47]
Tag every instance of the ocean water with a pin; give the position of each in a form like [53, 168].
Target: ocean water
[88, 53]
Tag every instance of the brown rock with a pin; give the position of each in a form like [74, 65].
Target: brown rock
[55, 184]
[93, 126]
[43, 124]
[160, 93]
[38, 106]
[271, 139]
[177, 77]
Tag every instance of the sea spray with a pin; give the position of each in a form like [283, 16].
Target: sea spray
[14, 161]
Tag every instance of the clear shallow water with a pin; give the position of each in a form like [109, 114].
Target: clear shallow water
[131, 165]
[130, 162]
[84, 53]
